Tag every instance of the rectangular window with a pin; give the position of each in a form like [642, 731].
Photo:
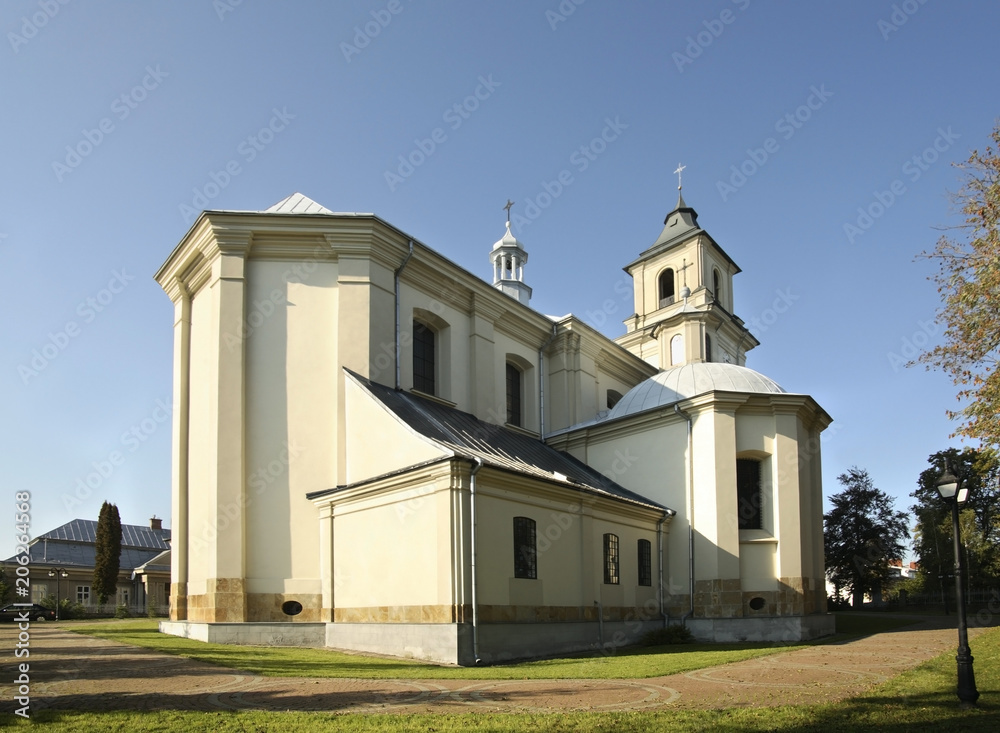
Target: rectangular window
[423, 358]
[83, 594]
[525, 549]
[645, 563]
[611, 559]
[513, 395]
[748, 493]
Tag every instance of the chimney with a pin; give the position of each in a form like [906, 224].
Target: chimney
[156, 523]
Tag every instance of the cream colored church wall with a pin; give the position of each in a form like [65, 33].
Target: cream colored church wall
[525, 358]
[291, 374]
[377, 442]
[201, 425]
[393, 556]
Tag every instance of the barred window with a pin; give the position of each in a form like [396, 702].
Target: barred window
[748, 494]
[513, 395]
[611, 559]
[645, 563]
[423, 358]
[525, 549]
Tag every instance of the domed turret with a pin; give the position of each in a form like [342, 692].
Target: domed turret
[508, 258]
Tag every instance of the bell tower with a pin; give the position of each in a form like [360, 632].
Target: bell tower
[683, 289]
[509, 258]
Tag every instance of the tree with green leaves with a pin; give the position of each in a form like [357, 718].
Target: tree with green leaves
[862, 534]
[5, 589]
[979, 520]
[109, 549]
[968, 280]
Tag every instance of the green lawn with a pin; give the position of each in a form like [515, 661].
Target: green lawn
[630, 662]
[922, 699]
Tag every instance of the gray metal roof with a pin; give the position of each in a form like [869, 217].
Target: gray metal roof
[496, 446]
[133, 535]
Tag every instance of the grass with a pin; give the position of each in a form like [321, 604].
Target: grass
[920, 699]
[629, 662]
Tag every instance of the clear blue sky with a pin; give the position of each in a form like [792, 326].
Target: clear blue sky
[116, 114]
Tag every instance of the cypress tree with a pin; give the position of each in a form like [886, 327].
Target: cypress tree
[109, 550]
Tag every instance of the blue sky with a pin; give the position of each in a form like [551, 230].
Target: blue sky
[121, 117]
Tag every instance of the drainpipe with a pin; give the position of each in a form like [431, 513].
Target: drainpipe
[477, 464]
[395, 284]
[659, 552]
[541, 383]
[689, 491]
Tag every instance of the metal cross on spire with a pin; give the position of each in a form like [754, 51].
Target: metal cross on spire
[678, 172]
[509, 204]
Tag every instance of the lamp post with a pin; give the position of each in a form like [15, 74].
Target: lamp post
[953, 493]
[57, 573]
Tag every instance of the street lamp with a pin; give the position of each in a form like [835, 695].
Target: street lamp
[57, 573]
[954, 493]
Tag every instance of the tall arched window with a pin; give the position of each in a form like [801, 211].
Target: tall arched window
[513, 395]
[677, 350]
[717, 283]
[748, 493]
[666, 287]
[708, 347]
[423, 357]
[645, 563]
[614, 397]
[525, 549]
[611, 559]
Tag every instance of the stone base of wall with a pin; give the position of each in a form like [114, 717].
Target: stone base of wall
[267, 607]
[787, 628]
[226, 600]
[248, 632]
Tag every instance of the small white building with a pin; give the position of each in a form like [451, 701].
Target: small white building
[374, 449]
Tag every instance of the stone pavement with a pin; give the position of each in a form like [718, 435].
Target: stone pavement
[74, 672]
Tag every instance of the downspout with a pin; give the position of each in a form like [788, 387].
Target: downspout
[395, 285]
[659, 551]
[477, 464]
[541, 383]
[689, 491]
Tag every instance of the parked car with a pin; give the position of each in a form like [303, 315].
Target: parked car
[35, 613]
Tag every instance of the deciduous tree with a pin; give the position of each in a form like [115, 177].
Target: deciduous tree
[862, 533]
[968, 280]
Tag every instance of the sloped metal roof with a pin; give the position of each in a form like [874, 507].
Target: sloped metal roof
[496, 446]
[133, 535]
[297, 203]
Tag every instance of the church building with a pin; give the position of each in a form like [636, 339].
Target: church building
[376, 450]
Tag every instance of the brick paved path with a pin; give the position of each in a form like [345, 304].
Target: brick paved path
[74, 672]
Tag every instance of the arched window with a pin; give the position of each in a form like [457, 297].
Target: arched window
[748, 493]
[513, 395]
[645, 563]
[611, 559]
[708, 347]
[666, 287]
[525, 549]
[717, 283]
[423, 357]
[614, 397]
[677, 350]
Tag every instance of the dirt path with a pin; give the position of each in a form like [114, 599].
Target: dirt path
[74, 672]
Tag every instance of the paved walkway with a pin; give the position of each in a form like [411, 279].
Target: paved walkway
[74, 672]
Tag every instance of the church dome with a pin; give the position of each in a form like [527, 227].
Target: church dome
[508, 240]
[689, 380]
